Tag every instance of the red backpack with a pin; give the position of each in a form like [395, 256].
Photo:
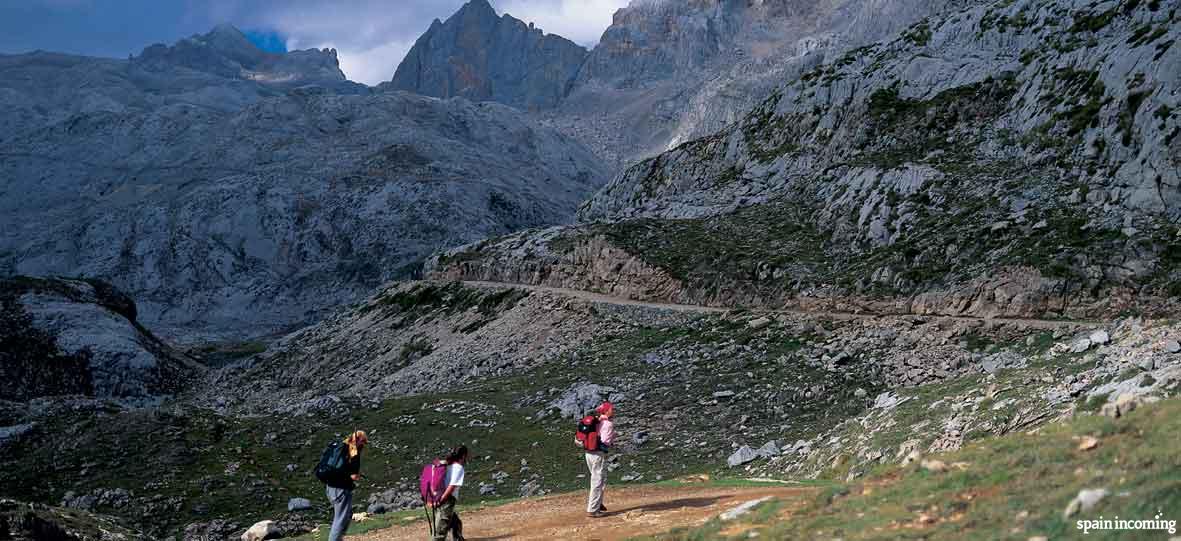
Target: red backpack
[588, 432]
[433, 482]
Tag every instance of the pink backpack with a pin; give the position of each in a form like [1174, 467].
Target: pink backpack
[433, 481]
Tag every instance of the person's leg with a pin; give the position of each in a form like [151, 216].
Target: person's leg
[594, 462]
[443, 514]
[456, 527]
[342, 512]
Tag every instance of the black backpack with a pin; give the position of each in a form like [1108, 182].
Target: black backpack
[333, 466]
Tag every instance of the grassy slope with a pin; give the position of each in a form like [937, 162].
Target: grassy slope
[1014, 487]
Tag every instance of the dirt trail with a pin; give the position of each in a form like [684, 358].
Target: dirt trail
[1042, 324]
[633, 511]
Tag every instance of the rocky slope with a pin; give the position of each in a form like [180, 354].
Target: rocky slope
[482, 57]
[252, 217]
[664, 72]
[75, 337]
[1010, 159]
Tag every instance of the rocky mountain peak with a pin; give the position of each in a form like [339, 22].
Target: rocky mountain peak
[226, 52]
[478, 8]
[481, 56]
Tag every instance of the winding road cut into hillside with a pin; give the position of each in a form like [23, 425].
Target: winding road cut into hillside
[1032, 323]
[632, 511]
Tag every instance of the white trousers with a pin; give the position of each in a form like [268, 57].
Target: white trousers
[595, 462]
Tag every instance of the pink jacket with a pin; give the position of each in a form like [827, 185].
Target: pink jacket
[606, 432]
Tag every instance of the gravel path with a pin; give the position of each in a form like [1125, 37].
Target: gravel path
[633, 511]
[1044, 324]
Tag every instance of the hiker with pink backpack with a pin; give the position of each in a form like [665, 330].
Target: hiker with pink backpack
[595, 435]
[439, 486]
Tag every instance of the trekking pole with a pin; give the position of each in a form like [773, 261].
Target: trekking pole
[430, 523]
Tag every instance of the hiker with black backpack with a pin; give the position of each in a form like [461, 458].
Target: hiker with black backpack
[340, 469]
[596, 433]
[439, 485]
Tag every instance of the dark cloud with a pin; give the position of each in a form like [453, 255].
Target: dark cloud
[371, 36]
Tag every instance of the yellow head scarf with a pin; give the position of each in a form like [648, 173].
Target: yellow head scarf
[354, 441]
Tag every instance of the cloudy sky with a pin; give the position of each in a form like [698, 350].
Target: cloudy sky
[370, 36]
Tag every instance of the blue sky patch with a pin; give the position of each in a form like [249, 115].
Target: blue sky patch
[267, 40]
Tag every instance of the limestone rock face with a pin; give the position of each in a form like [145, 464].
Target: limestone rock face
[281, 201]
[480, 56]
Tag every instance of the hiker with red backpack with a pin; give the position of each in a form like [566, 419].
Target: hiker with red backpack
[439, 487]
[595, 435]
[340, 469]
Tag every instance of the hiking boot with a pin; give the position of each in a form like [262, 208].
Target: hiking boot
[602, 508]
[596, 514]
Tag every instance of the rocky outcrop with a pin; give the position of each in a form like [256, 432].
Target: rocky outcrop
[542, 258]
[479, 56]
[63, 337]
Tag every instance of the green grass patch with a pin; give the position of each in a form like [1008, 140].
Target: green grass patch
[1013, 487]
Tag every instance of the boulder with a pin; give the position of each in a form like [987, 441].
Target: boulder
[261, 530]
[1084, 501]
[1122, 405]
[298, 504]
[744, 508]
[768, 450]
[933, 466]
[743, 455]
[1081, 345]
[581, 398]
[530, 489]
[759, 323]
[1099, 337]
[1172, 346]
